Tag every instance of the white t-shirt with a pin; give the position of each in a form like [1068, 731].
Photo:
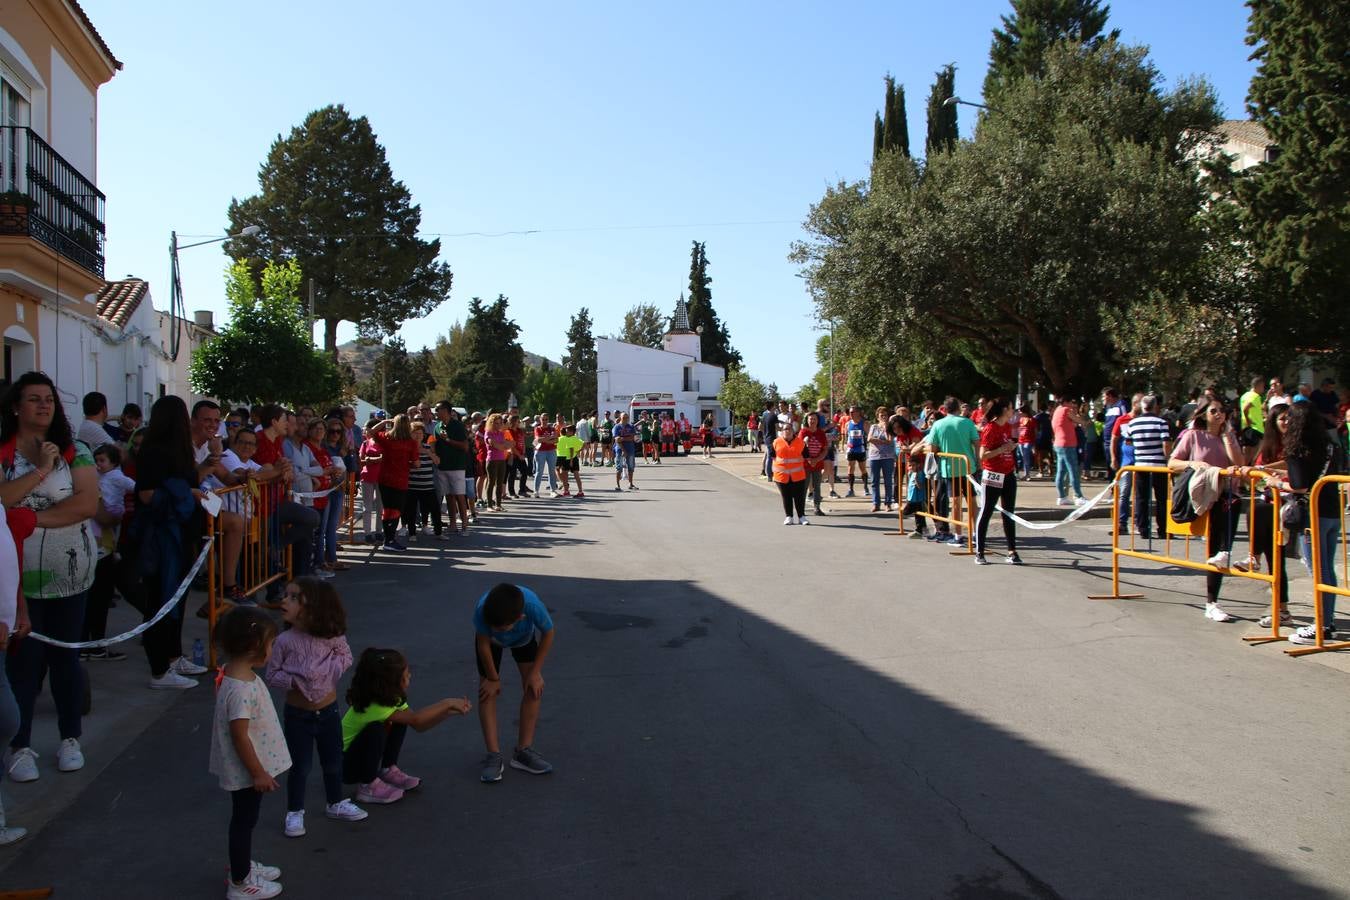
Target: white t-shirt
[1275, 400]
[9, 573]
[238, 501]
[113, 486]
[249, 700]
[92, 435]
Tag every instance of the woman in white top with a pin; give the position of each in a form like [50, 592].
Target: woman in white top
[13, 621]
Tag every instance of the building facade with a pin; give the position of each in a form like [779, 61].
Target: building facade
[52, 63]
[629, 375]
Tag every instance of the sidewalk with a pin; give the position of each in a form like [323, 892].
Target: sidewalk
[1035, 498]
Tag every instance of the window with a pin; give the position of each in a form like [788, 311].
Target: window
[14, 110]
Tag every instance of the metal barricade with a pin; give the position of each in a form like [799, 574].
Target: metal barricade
[958, 491]
[261, 559]
[1336, 483]
[348, 522]
[1188, 532]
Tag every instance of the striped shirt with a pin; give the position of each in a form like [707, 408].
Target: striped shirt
[1147, 433]
[422, 477]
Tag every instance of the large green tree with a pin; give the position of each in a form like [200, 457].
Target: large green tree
[742, 395]
[547, 389]
[643, 325]
[1298, 204]
[263, 354]
[890, 130]
[580, 362]
[942, 131]
[445, 361]
[716, 339]
[1019, 47]
[493, 362]
[400, 379]
[328, 198]
[1082, 193]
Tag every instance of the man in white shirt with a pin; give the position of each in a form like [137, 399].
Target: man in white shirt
[91, 432]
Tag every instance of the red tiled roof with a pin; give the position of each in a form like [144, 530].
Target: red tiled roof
[88, 23]
[119, 299]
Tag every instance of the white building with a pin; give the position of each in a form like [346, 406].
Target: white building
[627, 371]
[1246, 143]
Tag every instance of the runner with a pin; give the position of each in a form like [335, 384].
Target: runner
[752, 431]
[855, 440]
[625, 452]
[998, 446]
[606, 430]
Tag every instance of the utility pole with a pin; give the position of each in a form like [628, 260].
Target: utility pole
[311, 311]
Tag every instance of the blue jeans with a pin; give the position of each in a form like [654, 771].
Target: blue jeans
[1126, 486]
[1026, 458]
[303, 728]
[1068, 472]
[882, 468]
[61, 618]
[1328, 539]
[325, 536]
[9, 716]
[546, 459]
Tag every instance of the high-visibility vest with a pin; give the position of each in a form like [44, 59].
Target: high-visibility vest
[787, 461]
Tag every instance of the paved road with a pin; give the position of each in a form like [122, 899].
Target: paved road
[739, 709]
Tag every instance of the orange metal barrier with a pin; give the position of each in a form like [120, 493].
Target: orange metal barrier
[958, 489]
[348, 522]
[1336, 483]
[246, 515]
[1188, 532]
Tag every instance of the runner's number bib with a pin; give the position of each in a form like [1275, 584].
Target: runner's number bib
[993, 479]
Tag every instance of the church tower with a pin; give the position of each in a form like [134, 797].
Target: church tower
[681, 338]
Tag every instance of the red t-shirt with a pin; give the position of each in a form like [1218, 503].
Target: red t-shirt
[1027, 431]
[545, 439]
[399, 458]
[993, 436]
[816, 442]
[1066, 434]
[269, 451]
[977, 416]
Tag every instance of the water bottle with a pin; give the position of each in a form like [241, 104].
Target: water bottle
[198, 653]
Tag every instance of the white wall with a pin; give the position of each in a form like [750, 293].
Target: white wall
[623, 370]
[73, 124]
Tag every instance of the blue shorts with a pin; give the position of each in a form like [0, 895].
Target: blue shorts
[624, 456]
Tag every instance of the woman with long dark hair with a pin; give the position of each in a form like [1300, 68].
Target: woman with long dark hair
[47, 471]
[1261, 525]
[1311, 455]
[394, 437]
[168, 530]
[1211, 442]
[998, 477]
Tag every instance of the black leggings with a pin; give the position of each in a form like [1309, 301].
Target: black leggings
[992, 495]
[794, 497]
[418, 505]
[244, 806]
[1223, 523]
[376, 748]
[391, 498]
[1263, 544]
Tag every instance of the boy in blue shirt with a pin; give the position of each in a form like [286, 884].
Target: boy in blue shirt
[513, 617]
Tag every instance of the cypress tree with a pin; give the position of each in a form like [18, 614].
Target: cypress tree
[890, 129]
[1019, 46]
[716, 340]
[876, 136]
[942, 133]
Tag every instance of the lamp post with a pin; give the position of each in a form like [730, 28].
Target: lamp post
[177, 311]
[953, 101]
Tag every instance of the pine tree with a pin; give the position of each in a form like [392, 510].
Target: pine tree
[328, 199]
[716, 340]
[1298, 204]
[1019, 46]
[492, 362]
[580, 361]
[942, 132]
[890, 128]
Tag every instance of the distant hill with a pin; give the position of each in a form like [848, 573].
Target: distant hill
[361, 357]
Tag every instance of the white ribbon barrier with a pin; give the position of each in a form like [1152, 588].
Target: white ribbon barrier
[1074, 516]
[313, 495]
[128, 635]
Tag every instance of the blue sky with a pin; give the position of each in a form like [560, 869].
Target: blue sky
[620, 132]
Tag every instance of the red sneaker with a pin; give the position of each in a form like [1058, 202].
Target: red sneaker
[580, 495]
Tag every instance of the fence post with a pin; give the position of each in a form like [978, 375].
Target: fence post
[1321, 645]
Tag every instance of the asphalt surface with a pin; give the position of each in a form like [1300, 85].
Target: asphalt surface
[741, 709]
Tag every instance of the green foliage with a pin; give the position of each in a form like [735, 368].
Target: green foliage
[580, 362]
[643, 325]
[942, 130]
[328, 198]
[890, 131]
[741, 394]
[264, 353]
[1080, 195]
[1020, 46]
[716, 339]
[445, 363]
[548, 390]
[1298, 205]
[491, 363]
[400, 378]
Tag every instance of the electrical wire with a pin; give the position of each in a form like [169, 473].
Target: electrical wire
[579, 229]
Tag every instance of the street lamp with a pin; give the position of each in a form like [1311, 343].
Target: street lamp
[177, 311]
[952, 101]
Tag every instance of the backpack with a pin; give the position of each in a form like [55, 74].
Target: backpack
[1182, 510]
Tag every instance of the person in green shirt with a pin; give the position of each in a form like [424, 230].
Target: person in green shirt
[569, 459]
[606, 430]
[955, 434]
[1252, 418]
[645, 436]
[450, 441]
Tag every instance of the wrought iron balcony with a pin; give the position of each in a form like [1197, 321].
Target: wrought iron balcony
[46, 198]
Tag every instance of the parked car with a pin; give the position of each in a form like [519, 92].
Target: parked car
[724, 434]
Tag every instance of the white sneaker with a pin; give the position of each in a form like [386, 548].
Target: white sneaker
[171, 681]
[1064, 501]
[68, 756]
[1080, 501]
[1215, 614]
[23, 765]
[1220, 560]
[295, 824]
[324, 573]
[345, 811]
[266, 873]
[252, 888]
[184, 666]
[1307, 635]
[802, 521]
[789, 520]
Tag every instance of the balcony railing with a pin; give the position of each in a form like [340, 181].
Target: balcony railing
[49, 200]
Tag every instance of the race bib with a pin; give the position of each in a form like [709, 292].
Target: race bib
[993, 479]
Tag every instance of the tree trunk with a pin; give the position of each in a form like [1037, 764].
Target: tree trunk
[330, 337]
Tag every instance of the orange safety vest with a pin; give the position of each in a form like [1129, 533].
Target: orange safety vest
[787, 461]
